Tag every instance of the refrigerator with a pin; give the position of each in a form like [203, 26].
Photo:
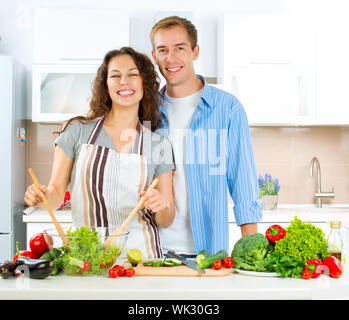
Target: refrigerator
[12, 155]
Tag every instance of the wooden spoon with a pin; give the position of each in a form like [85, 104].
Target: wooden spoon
[56, 223]
[119, 230]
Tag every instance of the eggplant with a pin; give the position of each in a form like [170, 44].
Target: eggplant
[38, 268]
[6, 269]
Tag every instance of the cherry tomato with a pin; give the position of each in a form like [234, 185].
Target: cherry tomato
[306, 274]
[228, 262]
[86, 266]
[217, 265]
[113, 273]
[121, 270]
[130, 272]
[102, 266]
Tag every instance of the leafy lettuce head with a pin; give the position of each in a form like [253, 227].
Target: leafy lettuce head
[303, 241]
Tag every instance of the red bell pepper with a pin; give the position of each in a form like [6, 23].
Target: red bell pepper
[275, 233]
[315, 267]
[66, 200]
[23, 253]
[335, 267]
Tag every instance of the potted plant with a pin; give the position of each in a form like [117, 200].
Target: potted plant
[268, 191]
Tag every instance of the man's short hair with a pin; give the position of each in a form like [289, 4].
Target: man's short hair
[174, 21]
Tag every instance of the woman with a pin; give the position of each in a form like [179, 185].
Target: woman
[110, 158]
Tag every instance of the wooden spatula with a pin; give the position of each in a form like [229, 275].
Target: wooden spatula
[118, 231]
[56, 223]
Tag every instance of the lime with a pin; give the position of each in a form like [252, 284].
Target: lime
[134, 255]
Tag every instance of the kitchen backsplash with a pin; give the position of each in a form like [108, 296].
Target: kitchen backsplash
[284, 152]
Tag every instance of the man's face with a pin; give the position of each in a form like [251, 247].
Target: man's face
[173, 54]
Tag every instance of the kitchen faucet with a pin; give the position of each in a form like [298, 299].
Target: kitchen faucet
[319, 195]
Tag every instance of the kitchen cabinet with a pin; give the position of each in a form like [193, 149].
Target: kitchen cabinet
[61, 91]
[75, 34]
[267, 62]
[332, 69]
[68, 47]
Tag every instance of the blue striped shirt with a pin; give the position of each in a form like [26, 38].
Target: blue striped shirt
[219, 157]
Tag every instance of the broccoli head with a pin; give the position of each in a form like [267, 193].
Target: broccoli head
[250, 251]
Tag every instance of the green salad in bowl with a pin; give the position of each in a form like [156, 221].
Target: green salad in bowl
[86, 254]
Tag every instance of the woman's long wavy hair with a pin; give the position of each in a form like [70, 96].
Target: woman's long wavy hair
[101, 103]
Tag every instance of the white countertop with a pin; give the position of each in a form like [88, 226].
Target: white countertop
[234, 286]
[282, 214]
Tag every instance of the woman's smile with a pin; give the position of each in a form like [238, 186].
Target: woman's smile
[125, 92]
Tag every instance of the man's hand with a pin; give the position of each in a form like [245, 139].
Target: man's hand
[249, 228]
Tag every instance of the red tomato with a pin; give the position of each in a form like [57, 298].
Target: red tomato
[86, 266]
[306, 274]
[113, 273]
[38, 244]
[130, 272]
[228, 262]
[121, 270]
[217, 265]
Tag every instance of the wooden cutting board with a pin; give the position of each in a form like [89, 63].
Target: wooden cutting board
[177, 271]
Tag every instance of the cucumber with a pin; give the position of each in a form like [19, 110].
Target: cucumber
[208, 261]
[201, 256]
[163, 260]
[168, 263]
[157, 263]
[176, 262]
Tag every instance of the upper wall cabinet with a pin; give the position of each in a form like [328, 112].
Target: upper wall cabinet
[267, 61]
[61, 91]
[69, 46]
[333, 68]
[76, 34]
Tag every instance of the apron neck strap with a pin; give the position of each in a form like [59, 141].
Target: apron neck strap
[137, 146]
[96, 130]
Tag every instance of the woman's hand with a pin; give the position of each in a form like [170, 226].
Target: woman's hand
[154, 200]
[33, 196]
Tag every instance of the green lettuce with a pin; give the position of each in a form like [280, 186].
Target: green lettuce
[303, 241]
[86, 245]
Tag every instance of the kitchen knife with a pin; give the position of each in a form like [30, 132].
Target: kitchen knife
[189, 263]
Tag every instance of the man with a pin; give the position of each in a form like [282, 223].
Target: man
[212, 146]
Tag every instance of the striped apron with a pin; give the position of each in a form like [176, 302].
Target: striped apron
[106, 189]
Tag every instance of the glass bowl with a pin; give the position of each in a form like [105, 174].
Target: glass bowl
[86, 255]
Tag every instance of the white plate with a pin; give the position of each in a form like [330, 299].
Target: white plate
[257, 274]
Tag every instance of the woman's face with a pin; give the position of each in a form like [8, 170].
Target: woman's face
[124, 82]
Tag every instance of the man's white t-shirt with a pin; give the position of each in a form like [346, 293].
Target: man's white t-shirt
[179, 235]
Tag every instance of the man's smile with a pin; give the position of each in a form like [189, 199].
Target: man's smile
[174, 69]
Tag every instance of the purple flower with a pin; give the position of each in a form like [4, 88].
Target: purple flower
[260, 181]
[277, 186]
[268, 186]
